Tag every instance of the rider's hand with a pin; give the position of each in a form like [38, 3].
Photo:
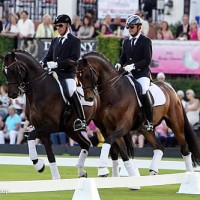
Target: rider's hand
[52, 65]
[129, 68]
[117, 66]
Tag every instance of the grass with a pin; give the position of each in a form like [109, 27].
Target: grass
[12, 172]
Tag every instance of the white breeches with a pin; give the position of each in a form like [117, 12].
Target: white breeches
[145, 83]
[71, 86]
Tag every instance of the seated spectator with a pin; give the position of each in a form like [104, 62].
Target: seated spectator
[105, 27]
[160, 76]
[192, 107]
[21, 136]
[87, 29]
[12, 127]
[194, 32]
[181, 95]
[18, 104]
[26, 26]
[59, 139]
[45, 28]
[12, 28]
[184, 27]
[76, 24]
[116, 26]
[165, 30]
[4, 101]
[94, 135]
[97, 28]
[138, 139]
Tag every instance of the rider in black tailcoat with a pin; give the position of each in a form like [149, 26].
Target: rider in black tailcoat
[66, 46]
[136, 58]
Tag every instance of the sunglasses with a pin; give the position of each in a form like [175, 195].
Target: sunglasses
[131, 27]
[59, 25]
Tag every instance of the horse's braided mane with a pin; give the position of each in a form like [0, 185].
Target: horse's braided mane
[27, 54]
[95, 53]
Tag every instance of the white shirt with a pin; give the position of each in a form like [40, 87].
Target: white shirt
[26, 27]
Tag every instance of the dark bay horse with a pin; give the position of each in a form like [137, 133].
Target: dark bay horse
[44, 110]
[119, 110]
[44, 107]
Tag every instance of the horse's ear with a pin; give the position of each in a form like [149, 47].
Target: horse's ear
[72, 62]
[2, 57]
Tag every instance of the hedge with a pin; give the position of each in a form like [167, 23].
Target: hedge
[111, 48]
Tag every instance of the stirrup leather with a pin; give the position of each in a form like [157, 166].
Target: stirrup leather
[79, 125]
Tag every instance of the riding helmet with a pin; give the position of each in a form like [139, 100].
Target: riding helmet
[63, 19]
[133, 20]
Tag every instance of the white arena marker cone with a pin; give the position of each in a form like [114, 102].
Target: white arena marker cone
[190, 184]
[86, 190]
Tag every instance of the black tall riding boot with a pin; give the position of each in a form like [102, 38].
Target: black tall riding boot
[148, 111]
[80, 123]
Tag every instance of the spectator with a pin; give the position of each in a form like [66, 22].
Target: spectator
[26, 26]
[192, 107]
[12, 28]
[21, 136]
[18, 104]
[12, 127]
[97, 28]
[116, 26]
[181, 95]
[4, 101]
[87, 29]
[159, 35]
[45, 29]
[59, 138]
[105, 28]
[183, 36]
[138, 139]
[184, 27]
[160, 76]
[166, 32]
[76, 24]
[193, 33]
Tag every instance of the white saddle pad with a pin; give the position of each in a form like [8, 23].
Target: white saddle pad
[157, 93]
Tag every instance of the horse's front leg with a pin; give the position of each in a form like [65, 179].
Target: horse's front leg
[85, 145]
[51, 158]
[37, 162]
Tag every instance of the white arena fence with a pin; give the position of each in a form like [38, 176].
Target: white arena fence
[87, 188]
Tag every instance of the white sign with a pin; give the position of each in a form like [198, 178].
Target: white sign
[122, 8]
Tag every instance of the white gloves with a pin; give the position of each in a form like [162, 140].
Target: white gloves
[117, 66]
[129, 68]
[52, 65]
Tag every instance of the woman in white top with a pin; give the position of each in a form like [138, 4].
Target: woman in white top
[192, 107]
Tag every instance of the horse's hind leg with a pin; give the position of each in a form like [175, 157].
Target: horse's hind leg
[85, 145]
[51, 158]
[37, 162]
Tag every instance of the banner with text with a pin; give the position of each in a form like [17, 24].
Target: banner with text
[176, 57]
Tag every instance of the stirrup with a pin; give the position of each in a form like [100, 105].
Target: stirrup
[79, 125]
[148, 126]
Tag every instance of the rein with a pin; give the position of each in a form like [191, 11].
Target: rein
[94, 84]
[22, 85]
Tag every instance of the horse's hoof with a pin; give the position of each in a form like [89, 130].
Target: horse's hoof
[134, 188]
[83, 175]
[40, 166]
[103, 172]
[152, 172]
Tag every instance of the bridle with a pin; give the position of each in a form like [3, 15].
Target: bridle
[94, 82]
[23, 85]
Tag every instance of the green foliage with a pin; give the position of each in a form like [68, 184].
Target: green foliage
[173, 28]
[109, 47]
[6, 44]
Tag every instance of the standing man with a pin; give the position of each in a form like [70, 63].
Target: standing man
[62, 49]
[135, 58]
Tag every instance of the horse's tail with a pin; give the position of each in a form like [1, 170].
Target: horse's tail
[129, 144]
[192, 141]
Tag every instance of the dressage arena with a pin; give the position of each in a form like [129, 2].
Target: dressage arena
[87, 188]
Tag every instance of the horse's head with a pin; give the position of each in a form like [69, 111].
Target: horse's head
[13, 74]
[88, 76]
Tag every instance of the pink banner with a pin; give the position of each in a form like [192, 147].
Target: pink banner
[176, 57]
